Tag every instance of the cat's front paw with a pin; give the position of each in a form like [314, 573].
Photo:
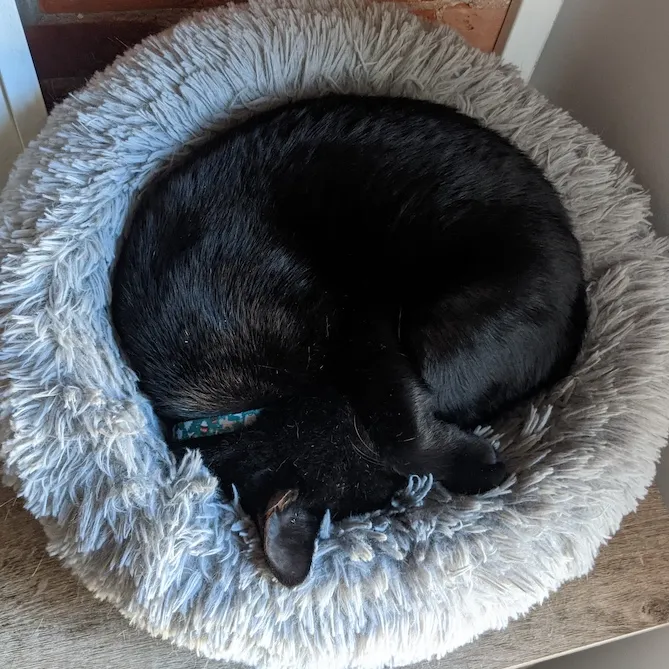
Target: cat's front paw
[463, 462]
[474, 467]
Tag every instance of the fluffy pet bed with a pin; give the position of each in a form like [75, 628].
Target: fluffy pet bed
[84, 450]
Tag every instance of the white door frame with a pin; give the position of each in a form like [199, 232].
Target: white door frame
[525, 32]
[22, 111]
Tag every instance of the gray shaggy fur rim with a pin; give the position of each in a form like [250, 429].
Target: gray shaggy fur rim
[83, 448]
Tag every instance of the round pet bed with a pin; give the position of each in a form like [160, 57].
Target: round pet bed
[84, 450]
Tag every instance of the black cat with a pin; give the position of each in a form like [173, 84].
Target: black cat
[380, 275]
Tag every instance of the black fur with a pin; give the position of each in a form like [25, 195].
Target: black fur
[381, 274]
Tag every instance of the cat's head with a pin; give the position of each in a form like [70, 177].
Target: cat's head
[303, 457]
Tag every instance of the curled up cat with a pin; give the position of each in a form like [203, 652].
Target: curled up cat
[378, 275]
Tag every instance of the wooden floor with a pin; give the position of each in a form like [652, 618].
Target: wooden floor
[72, 39]
[49, 621]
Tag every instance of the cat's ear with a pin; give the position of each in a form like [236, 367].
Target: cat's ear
[289, 535]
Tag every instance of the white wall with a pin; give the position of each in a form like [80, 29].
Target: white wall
[607, 61]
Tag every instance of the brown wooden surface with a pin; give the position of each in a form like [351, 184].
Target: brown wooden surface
[84, 6]
[479, 23]
[87, 6]
[80, 49]
[69, 43]
[48, 621]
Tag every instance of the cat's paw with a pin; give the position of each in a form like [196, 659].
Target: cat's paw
[463, 462]
[474, 467]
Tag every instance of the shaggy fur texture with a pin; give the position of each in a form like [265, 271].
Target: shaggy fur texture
[83, 448]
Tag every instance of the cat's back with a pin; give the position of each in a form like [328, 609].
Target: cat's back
[232, 255]
[347, 159]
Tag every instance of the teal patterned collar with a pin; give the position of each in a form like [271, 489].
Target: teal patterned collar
[213, 425]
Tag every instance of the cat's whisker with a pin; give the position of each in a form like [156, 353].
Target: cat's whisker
[370, 456]
[364, 455]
